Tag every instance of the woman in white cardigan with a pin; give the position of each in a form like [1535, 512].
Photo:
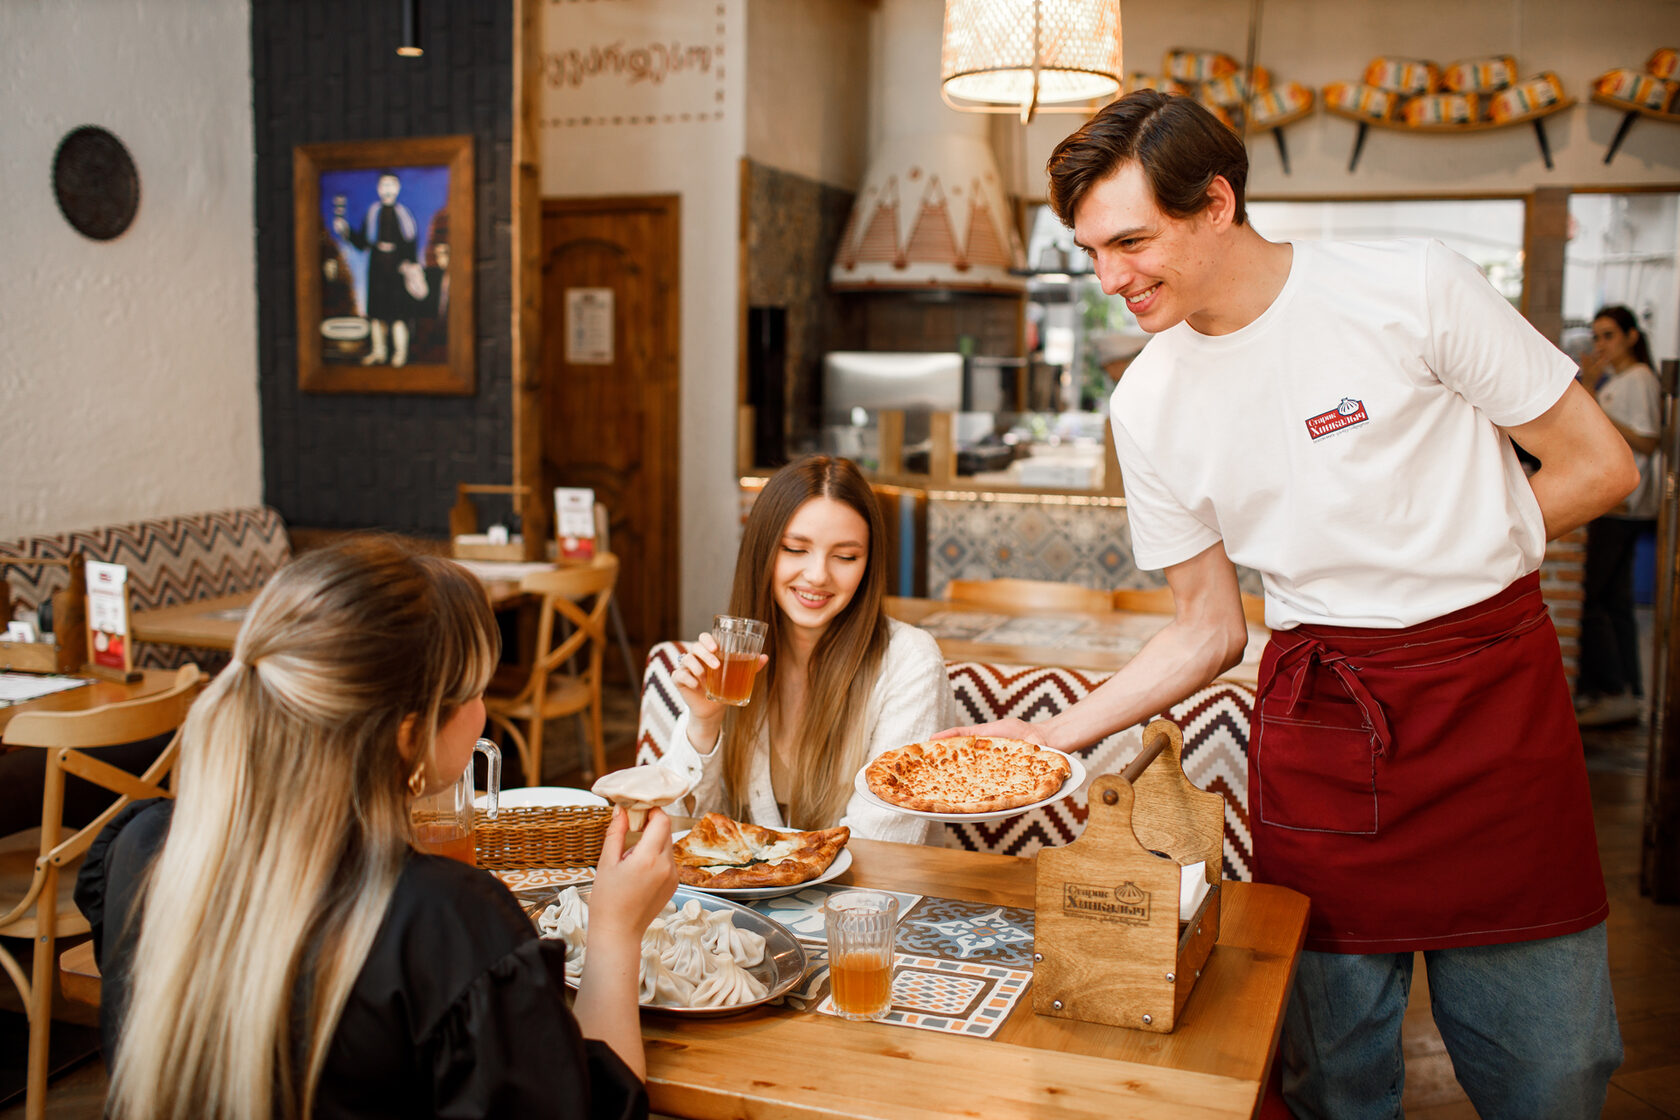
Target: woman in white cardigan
[839, 682]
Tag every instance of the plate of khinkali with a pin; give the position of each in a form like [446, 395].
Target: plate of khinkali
[702, 955]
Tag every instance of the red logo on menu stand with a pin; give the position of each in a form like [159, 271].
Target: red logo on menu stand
[1344, 415]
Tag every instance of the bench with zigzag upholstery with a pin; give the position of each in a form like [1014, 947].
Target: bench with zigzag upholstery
[1215, 722]
[170, 560]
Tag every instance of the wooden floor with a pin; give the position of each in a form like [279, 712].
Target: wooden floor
[1644, 952]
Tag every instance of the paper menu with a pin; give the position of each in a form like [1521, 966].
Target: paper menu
[107, 607]
[574, 521]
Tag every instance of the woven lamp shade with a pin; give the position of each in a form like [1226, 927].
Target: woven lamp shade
[1006, 55]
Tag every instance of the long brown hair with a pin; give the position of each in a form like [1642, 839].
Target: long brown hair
[291, 828]
[843, 666]
[1180, 146]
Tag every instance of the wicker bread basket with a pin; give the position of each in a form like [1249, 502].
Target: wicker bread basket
[545, 836]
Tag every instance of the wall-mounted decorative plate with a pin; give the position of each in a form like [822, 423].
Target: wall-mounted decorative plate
[96, 183]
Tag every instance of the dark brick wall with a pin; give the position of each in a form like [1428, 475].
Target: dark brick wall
[326, 70]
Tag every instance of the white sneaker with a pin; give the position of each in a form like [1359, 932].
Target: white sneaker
[1607, 711]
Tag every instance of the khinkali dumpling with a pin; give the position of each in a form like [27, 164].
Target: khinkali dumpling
[692, 914]
[728, 984]
[659, 985]
[659, 938]
[640, 788]
[687, 955]
[723, 936]
[567, 918]
[574, 964]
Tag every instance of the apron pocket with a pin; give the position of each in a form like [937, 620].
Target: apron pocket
[1317, 768]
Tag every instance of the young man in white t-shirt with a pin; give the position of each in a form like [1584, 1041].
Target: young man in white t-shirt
[1336, 416]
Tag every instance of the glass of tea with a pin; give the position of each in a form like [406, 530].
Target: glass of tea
[860, 927]
[740, 641]
[443, 821]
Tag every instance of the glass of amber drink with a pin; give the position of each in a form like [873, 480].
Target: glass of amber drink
[861, 926]
[740, 641]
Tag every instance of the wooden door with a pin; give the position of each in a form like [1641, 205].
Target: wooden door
[609, 395]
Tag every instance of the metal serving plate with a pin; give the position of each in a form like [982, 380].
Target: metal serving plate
[784, 962]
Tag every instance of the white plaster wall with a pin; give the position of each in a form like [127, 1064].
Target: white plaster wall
[1315, 42]
[700, 161]
[808, 87]
[128, 380]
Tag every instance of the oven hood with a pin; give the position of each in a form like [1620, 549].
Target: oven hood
[931, 212]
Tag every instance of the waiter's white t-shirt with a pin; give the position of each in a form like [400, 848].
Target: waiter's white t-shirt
[1344, 443]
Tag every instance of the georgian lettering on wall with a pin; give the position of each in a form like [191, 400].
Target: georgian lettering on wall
[632, 62]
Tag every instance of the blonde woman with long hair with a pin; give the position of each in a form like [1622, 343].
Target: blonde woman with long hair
[840, 682]
[273, 946]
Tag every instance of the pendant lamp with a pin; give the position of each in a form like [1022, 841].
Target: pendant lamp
[409, 45]
[1029, 56]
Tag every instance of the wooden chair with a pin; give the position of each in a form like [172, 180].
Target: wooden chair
[1032, 594]
[37, 867]
[1159, 600]
[550, 689]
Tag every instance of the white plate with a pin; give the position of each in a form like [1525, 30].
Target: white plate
[1073, 782]
[541, 797]
[835, 869]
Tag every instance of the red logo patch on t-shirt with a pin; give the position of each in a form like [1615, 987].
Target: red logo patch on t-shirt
[1345, 415]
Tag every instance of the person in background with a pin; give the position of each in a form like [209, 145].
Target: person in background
[271, 943]
[843, 682]
[1339, 417]
[1610, 686]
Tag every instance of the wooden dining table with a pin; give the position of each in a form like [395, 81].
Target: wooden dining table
[95, 694]
[1091, 640]
[778, 1063]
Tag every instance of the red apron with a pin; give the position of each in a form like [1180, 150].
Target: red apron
[1425, 787]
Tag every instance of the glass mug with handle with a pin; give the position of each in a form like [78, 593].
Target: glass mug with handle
[443, 821]
[739, 642]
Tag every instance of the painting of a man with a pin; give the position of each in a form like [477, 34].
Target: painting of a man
[382, 234]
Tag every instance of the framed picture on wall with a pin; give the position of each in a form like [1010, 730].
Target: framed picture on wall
[384, 243]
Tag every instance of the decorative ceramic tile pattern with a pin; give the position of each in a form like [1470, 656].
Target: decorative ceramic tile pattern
[556, 877]
[957, 997]
[968, 931]
[1087, 545]
[801, 912]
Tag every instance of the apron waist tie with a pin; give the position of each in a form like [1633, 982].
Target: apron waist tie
[1296, 668]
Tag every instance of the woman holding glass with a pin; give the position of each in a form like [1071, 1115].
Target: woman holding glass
[839, 683]
[272, 945]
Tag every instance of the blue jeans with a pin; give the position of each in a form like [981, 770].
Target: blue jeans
[1530, 1027]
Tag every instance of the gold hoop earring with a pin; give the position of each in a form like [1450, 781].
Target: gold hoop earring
[417, 780]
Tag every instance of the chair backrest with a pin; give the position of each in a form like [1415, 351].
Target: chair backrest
[660, 704]
[1036, 594]
[1215, 722]
[1159, 600]
[66, 735]
[562, 591]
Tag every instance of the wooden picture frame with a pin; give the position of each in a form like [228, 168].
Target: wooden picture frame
[384, 254]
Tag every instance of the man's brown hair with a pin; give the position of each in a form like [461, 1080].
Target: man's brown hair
[1180, 146]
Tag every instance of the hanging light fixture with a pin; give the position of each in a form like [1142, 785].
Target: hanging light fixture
[1006, 56]
[409, 46]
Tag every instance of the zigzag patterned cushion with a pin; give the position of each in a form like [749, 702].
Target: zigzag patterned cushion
[170, 560]
[1215, 722]
[660, 705]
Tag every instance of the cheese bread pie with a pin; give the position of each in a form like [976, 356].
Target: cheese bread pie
[722, 853]
[966, 774]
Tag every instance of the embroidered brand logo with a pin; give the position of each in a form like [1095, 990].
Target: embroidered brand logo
[1125, 903]
[1345, 415]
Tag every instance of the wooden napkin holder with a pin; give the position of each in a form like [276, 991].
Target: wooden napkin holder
[1109, 946]
[465, 541]
[67, 649]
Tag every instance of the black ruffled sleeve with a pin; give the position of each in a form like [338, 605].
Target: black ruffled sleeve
[95, 888]
[509, 1046]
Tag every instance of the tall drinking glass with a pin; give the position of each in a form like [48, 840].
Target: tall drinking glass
[860, 927]
[740, 641]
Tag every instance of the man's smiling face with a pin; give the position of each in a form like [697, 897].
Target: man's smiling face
[1162, 265]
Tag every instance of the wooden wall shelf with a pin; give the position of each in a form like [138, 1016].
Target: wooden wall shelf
[1535, 118]
[1631, 111]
